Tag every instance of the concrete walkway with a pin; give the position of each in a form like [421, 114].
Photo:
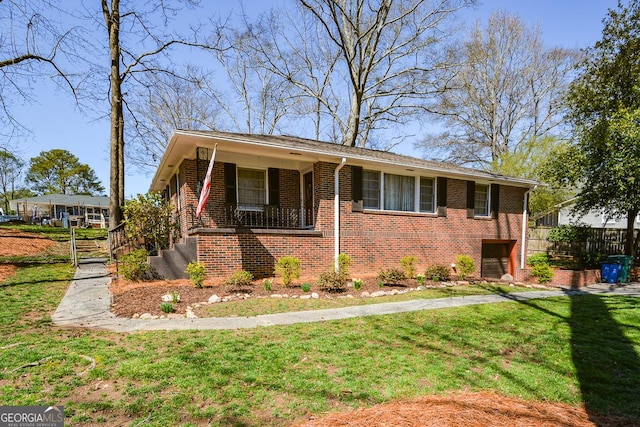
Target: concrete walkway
[87, 305]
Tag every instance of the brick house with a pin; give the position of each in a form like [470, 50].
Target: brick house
[273, 196]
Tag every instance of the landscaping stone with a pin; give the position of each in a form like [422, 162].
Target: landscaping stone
[315, 295]
[214, 299]
[277, 296]
[507, 278]
[378, 294]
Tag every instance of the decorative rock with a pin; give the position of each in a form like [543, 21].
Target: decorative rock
[365, 294]
[315, 295]
[136, 316]
[168, 298]
[506, 278]
[378, 294]
[305, 296]
[214, 299]
[463, 283]
[277, 296]
[147, 316]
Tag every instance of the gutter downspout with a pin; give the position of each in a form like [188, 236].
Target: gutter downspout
[523, 246]
[336, 213]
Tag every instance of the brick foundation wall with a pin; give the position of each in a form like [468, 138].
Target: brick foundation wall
[374, 240]
[564, 278]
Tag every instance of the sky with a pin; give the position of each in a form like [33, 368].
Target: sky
[55, 122]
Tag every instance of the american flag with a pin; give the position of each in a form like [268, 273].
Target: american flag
[204, 194]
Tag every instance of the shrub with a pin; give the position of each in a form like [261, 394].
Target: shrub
[538, 258]
[196, 272]
[391, 275]
[305, 287]
[408, 264]
[357, 284]
[332, 281]
[240, 279]
[135, 266]
[344, 262]
[267, 284]
[438, 272]
[167, 307]
[465, 265]
[175, 297]
[420, 279]
[289, 267]
[543, 272]
[149, 217]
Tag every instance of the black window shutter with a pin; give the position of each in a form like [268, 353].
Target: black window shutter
[495, 200]
[471, 198]
[356, 188]
[230, 183]
[274, 186]
[442, 196]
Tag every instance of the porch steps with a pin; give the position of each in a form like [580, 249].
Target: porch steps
[172, 263]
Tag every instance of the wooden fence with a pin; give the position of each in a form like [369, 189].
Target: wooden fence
[605, 241]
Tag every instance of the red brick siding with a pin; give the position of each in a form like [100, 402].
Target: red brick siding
[374, 240]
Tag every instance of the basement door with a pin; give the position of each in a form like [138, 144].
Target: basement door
[497, 258]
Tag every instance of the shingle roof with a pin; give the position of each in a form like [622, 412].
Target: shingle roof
[68, 200]
[364, 154]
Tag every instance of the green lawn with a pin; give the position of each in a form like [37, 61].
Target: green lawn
[582, 349]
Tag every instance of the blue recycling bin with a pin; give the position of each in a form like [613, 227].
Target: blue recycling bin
[610, 271]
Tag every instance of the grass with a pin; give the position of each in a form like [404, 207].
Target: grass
[255, 307]
[576, 350]
[60, 234]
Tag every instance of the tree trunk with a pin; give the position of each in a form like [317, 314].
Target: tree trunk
[629, 246]
[116, 180]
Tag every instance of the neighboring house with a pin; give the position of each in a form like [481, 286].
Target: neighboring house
[64, 210]
[596, 218]
[273, 196]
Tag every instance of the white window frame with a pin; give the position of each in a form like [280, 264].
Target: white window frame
[416, 196]
[246, 207]
[487, 211]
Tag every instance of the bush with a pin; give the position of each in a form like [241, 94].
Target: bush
[289, 267]
[240, 279]
[197, 273]
[332, 281]
[267, 284]
[305, 287]
[408, 264]
[357, 284]
[391, 275]
[420, 279]
[344, 262]
[465, 266]
[150, 217]
[438, 272]
[543, 272]
[538, 258]
[134, 265]
[167, 307]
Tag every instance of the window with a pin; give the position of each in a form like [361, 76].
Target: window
[427, 194]
[251, 188]
[371, 190]
[481, 201]
[399, 192]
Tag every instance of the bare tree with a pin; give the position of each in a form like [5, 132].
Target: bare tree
[362, 66]
[163, 105]
[139, 39]
[506, 92]
[10, 171]
[31, 47]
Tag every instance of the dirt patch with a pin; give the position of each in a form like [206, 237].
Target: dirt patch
[15, 243]
[469, 410]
